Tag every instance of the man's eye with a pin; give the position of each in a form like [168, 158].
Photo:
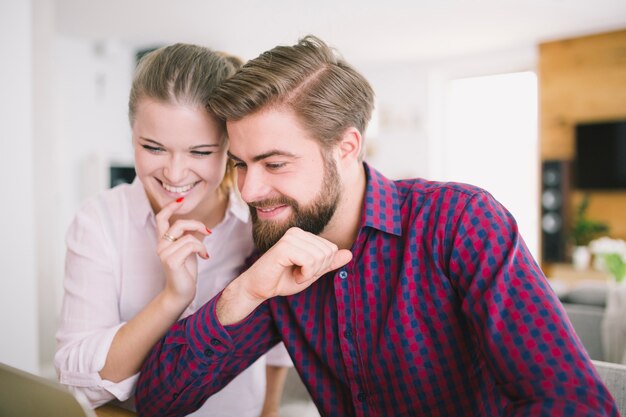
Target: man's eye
[239, 165]
[276, 165]
[153, 149]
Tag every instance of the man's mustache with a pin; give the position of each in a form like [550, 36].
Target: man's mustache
[273, 202]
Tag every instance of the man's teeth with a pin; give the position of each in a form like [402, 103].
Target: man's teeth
[178, 190]
[267, 210]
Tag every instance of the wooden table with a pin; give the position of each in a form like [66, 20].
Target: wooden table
[108, 410]
[565, 278]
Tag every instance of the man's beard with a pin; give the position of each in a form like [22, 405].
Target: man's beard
[312, 218]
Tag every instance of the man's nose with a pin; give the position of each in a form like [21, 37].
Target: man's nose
[253, 185]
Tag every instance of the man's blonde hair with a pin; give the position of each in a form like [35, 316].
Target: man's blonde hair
[327, 95]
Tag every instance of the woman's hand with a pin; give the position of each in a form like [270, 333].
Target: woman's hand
[177, 248]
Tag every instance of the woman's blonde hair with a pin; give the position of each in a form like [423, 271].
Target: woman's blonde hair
[183, 74]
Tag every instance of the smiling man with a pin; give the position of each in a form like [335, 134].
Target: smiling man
[394, 298]
[286, 182]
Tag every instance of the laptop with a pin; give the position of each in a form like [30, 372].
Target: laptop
[23, 394]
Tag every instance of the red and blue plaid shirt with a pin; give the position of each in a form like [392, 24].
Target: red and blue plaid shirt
[441, 312]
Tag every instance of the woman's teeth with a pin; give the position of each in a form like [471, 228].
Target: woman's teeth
[178, 190]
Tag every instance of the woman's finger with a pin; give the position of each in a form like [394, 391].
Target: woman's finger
[183, 247]
[163, 216]
[183, 226]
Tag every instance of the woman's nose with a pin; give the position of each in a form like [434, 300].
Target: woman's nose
[175, 171]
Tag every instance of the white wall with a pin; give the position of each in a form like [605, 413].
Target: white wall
[82, 96]
[94, 82]
[411, 137]
[398, 144]
[63, 115]
[517, 184]
[491, 141]
[18, 283]
[49, 156]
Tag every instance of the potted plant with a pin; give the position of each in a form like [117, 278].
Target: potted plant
[583, 231]
[610, 256]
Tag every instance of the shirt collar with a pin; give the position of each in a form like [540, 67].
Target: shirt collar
[139, 206]
[142, 210]
[381, 206]
[237, 206]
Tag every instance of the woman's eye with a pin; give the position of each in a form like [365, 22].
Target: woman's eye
[201, 153]
[153, 149]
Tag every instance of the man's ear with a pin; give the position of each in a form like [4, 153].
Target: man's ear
[350, 144]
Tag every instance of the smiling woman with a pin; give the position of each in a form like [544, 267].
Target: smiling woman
[118, 300]
[180, 151]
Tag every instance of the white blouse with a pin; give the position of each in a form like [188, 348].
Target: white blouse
[112, 272]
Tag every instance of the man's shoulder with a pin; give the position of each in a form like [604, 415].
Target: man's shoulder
[420, 188]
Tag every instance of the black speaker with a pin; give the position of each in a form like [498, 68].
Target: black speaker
[555, 189]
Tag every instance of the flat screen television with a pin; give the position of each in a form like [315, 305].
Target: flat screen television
[600, 162]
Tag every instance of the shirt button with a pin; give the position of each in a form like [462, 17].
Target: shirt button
[343, 274]
[361, 396]
[215, 342]
[348, 333]
[208, 352]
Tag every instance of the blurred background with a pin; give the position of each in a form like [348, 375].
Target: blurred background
[485, 92]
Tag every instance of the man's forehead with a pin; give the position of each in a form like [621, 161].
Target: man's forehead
[259, 156]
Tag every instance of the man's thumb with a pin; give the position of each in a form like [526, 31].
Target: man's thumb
[341, 258]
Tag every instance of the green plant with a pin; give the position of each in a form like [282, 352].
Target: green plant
[584, 230]
[616, 265]
[612, 256]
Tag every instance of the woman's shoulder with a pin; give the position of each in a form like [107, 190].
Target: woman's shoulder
[113, 202]
[109, 196]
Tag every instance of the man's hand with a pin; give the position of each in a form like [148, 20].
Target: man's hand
[296, 261]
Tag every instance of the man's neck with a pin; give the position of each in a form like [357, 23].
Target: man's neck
[343, 228]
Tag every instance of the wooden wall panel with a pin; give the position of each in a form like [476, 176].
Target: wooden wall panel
[583, 80]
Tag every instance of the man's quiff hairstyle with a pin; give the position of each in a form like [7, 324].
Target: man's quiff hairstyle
[327, 95]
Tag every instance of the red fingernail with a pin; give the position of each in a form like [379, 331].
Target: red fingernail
[206, 256]
[208, 230]
[180, 200]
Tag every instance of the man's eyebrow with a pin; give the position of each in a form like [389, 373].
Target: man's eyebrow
[265, 155]
[233, 157]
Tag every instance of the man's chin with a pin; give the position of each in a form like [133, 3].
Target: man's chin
[267, 233]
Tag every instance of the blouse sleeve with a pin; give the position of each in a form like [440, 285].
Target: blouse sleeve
[90, 315]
